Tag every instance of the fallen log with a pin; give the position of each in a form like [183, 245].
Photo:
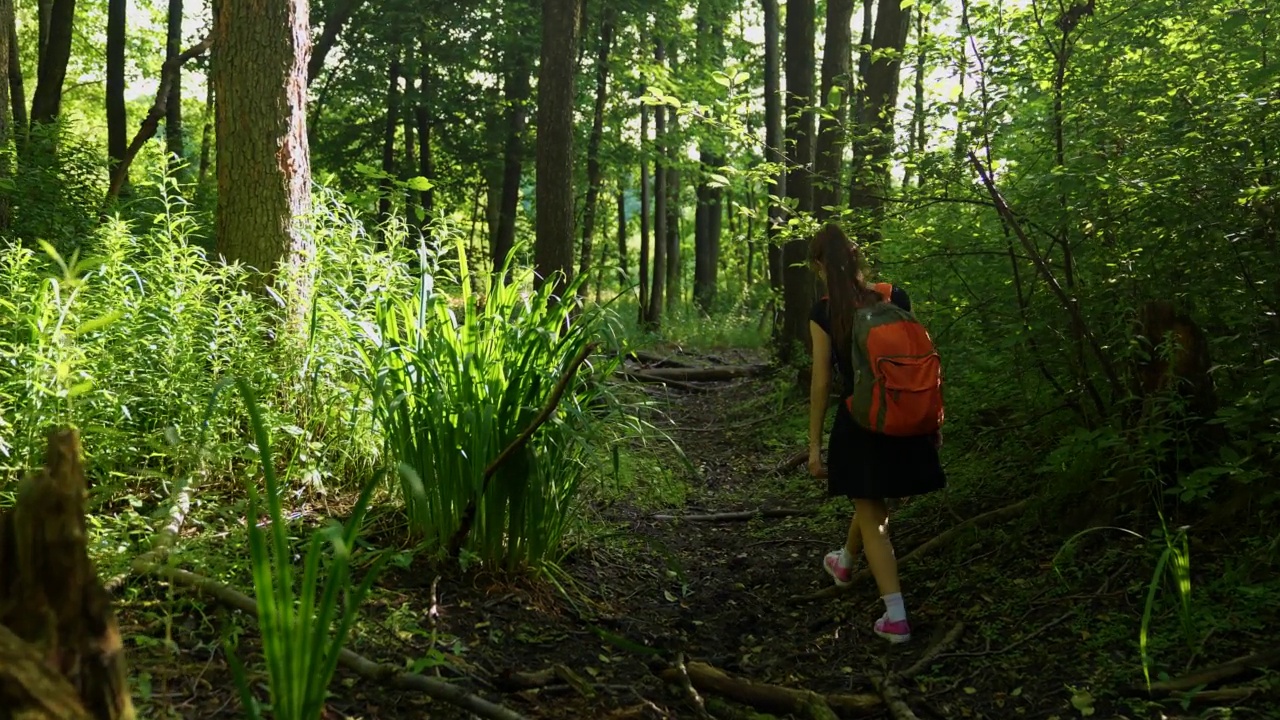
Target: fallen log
[656, 360]
[645, 376]
[52, 603]
[1216, 673]
[738, 515]
[773, 698]
[365, 668]
[800, 458]
[998, 515]
[715, 373]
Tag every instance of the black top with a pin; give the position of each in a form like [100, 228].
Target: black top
[821, 315]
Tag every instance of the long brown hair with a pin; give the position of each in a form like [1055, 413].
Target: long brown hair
[847, 289]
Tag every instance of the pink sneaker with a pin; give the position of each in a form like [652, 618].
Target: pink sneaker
[841, 574]
[895, 631]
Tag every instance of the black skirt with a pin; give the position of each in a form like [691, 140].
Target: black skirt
[866, 465]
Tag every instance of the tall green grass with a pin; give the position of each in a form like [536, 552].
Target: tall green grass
[454, 382]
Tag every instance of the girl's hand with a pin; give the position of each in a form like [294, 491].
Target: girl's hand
[815, 464]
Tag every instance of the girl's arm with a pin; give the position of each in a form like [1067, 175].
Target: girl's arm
[819, 391]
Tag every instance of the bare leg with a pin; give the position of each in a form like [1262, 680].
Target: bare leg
[853, 543]
[872, 518]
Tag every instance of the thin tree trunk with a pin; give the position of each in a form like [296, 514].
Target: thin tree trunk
[117, 120]
[174, 146]
[553, 249]
[517, 91]
[6, 115]
[860, 104]
[660, 197]
[46, 104]
[206, 134]
[915, 154]
[17, 90]
[644, 216]
[593, 147]
[422, 114]
[414, 214]
[773, 144]
[835, 74]
[333, 23]
[962, 72]
[390, 125]
[708, 216]
[798, 281]
[674, 266]
[622, 237]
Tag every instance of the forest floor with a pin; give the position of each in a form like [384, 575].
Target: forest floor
[1013, 634]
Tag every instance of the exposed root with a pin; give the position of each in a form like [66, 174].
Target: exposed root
[998, 515]
[1217, 673]
[932, 653]
[647, 377]
[773, 698]
[738, 515]
[793, 462]
[892, 696]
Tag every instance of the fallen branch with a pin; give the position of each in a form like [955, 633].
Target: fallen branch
[998, 515]
[656, 360]
[718, 373]
[772, 698]
[931, 655]
[553, 400]
[1017, 643]
[365, 668]
[737, 516]
[1217, 673]
[152, 121]
[644, 376]
[892, 696]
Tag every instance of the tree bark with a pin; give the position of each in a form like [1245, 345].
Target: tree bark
[414, 215]
[875, 126]
[553, 249]
[706, 238]
[206, 134]
[391, 124]
[17, 91]
[6, 116]
[660, 197]
[517, 89]
[915, 154]
[593, 147]
[622, 236]
[422, 114]
[174, 146]
[798, 281]
[835, 74]
[264, 171]
[773, 142]
[643, 318]
[860, 96]
[46, 104]
[674, 266]
[117, 120]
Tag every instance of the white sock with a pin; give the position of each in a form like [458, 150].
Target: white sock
[845, 559]
[894, 606]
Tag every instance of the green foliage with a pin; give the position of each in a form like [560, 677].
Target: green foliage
[454, 383]
[296, 626]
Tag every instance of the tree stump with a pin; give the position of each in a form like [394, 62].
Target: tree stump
[61, 655]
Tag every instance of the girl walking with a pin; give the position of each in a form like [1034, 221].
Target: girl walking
[863, 465]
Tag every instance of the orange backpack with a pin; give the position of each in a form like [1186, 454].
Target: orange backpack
[897, 386]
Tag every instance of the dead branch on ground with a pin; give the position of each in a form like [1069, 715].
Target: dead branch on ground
[931, 655]
[61, 648]
[800, 458]
[718, 373]
[892, 695]
[738, 515]
[644, 376]
[998, 515]
[1216, 673]
[773, 698]
[655, 360]
[365, 668]
[553, 401]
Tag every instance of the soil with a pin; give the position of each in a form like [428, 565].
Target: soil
[1035, 644]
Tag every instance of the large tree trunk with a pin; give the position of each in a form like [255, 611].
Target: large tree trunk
[712, 17]
[553, 249]
[390, 125]
[117, 121]
[798, 280]
[660, 197]
[593, 146]
[46, 104]
[516, 89]
[174, 146]
[829, 157]
[773, 143]
[875, 127]
[264, 171]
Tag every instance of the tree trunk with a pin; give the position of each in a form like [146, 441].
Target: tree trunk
[835, 74]
[915, 154]
[860, 102]
[422, 113]
[773, 143]
[674, 275]
[206, 133]
[46, 104]
[962, 71]
[6, 116]
[706, 257]
[117, 121]
[390, 125]
[17, 92]
[660, 197]
[593, 147]
[553, 249]
[174, 146]
[264, 171]
[333, 23]
[517, 88]
[644, 216]
[414, 214]
[798, 284]
[875, 127]
[622, 236]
